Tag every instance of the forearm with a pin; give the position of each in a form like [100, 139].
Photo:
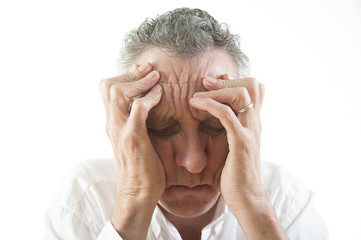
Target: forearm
[259, 221]
[131, 217]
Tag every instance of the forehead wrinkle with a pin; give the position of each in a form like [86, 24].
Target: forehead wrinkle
[190, 81]
[188, 97]
[156, 114]
[179, 95]
[166, 100]
[172, 98]
[196, 114]
[186, 74]
[165, 117]
[166, 113]
[176, 83]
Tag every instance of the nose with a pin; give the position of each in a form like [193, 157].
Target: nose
[191, 154]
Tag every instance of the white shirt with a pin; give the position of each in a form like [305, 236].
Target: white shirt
[83, 206]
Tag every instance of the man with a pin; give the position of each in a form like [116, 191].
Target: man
[184, 123]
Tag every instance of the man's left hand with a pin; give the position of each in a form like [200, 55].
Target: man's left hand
[241, 177]
[237, 104]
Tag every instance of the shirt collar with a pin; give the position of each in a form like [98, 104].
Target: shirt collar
[161, 228]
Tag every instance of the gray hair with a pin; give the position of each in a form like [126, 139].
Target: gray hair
[182, 32]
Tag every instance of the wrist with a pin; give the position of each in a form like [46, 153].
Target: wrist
[246, 198]
[259, 221]
[139, 195]
[132, 215]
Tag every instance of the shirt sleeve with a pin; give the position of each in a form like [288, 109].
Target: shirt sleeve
[82, 206]
[62, 224]
[109, 233]
[293, 203]
[308, 225]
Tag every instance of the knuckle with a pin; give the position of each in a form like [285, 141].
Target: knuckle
[104, 84]
[114, 91]
[252, 80]
[141, 107]
[243, 95]
[253, 83]
[223, 83]
[138, 104]
[242, 91]
[132, 75]
[133, 67]
[227, 111]
[228, 84]
[140, 83]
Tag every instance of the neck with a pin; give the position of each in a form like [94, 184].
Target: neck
[191, 228]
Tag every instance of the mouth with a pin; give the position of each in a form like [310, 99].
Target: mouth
[188, 189]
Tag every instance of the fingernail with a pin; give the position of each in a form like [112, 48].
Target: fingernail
[198, 94]
[152, 75]
[211, 80]
[193, 100]
[143, 67]
[157, 88]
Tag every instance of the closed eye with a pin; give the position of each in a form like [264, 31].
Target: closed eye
[211, 129]
[165, 132]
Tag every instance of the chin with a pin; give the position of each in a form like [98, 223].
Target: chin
[188, 203]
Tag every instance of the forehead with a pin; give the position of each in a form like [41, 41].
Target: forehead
[181, 77]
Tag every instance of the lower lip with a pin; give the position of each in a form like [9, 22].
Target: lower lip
[185, 189]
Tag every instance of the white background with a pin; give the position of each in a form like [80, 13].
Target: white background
[54, 53]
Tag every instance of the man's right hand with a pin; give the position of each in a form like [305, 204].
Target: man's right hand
[140, 172]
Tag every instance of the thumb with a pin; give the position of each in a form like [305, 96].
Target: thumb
[142, 106]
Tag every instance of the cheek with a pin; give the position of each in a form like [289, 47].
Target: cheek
[217, 150]
[165, 150]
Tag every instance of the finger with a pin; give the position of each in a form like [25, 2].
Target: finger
[225, 115]
[142, 106]
[129, 89]
[136, 72]
[250, 83]
[116, 116]
[105, 84]
[134, 68]
[225, 77]
[237, 98]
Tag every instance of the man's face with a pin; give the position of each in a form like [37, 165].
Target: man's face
[191, 144]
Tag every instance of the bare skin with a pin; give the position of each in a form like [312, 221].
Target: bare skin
[184, 148]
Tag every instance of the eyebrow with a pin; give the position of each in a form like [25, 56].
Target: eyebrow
[210, 118]
[162, 121]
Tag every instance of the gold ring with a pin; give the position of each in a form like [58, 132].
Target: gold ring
[245, 108]
[130, 105]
